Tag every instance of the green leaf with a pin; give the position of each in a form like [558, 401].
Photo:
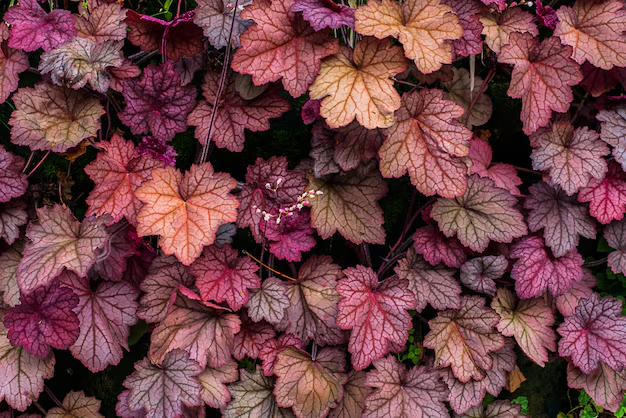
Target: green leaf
[523, 402]
[603, 246]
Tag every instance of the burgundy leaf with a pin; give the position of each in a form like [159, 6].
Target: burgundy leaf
[271, 348]
[598, 81]
[604, 385]
[44, 320]
[615, 235]
[311, 111]
[607, 196]
[323, 14]
[12, 216]
[470, 43]
[137, 265]
[251, 337]
[216, 16]
[269, 301]
[567, 302]
[112, 258]
[12, 63]
[292, 236]
[546, 15]
[437, 248]
[479, 273]
[214, 391]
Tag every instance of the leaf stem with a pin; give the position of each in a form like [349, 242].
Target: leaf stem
[30, 159]
[525, 170]
[54, 398]
[483, 87]
[38, 164]
[365, 251]
[268, 267]
[595, 262]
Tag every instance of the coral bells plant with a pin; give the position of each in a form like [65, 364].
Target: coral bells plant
[312, 208]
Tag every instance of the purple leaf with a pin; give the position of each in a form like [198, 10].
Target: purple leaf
[437, 248]
[324, 13]
[251, 337]
[112, 258]
[157, 148]
[13, 182]
[292, 236]
[615, 234]
[471, 42]
[479, 273]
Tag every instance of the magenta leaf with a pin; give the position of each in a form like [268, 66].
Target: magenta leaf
[615, 235]
[59, 241]
[12, 63]
[161, 390]
[375, 312]
[44, 320]
[13, 182]
[607, 196]
[418, 392]
[503, 175]
[323, 14]
[471, 42]
[251, 337]
[291, 237]
[604, 385]
[106, 315]
[567, 302]
[546, 15]
[562, 219]
[271, 348]
[537, 270]
[157, 102]
[595, 332]
[215, 17]
[33, 28]
[269, 301]
[431, 285]
[437, 248]
[12, 216]
[479, 273]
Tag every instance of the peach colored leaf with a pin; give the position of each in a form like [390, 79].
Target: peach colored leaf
[422, 26]
[595, 29]
[537, 270]
[571, 157]
[106, 315]
[206, 333]
[471, 43]
[479, 273]
[215, 18]
[311, 386]
[418, 392]
[253, 397]
[21, 375]
[437, 248]
[354, 393]
[463, 338]
[615, 235]
[49, 117]
[604, 385]
[214, 390]
[13, 183]
[281, 44]
[358, 84]
[567, 302]
[427, 141]
[485, 212]
[375, 312]
[271, 348]
[102, 22]
[498, 27]
[325, 13]
[561, 217]
[349, 204]
[613, 124]
[9, 260]
[186, 210]
[529, 321]
[607, 196]
[58, 241]
[165, 277]
[234, 113]
[222, 276]
[12, 63]
[118, 171]
[251, 337]
[269, 301]
[542, 77]
[503, 175]
[77, 404]
[313, 303]
[431, 285]
[459, 91]
[496, 409]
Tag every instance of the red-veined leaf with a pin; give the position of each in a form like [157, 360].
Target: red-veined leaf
[251, 337]
[437, 248]
[503, 175]
[102, 21]
[497, 28]
[354, 393]
[604, 385]
[13, 183]
[12, 63]
[607, 196]
[77, 404]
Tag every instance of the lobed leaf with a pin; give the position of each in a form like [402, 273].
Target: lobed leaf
[102, 22]
[436, 248]
[214, 390]
[13, 183]
[607, 196]
[77, 404]
[323, 14]
[12, 63]
[215, 18]
[479, 273]
[604, 385]
[498, 28]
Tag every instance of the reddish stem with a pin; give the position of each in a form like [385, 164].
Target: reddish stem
[490, 74]
[30, 159]
[38, 164]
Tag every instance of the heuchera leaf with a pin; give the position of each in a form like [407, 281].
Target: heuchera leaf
[269, 301]
[118, 171]
[44, 320]
[427, 141]
[354, 393]
[106, 315]
[313, 303]
[9, 260]
[102, 22]
[186, 210]
[479, 273]
[562, 219]
[59, 241]
[179, 36]
[357, 84]
[325, 13]
[434, 285]
[349, 204]
[216, 16]
[214, 391]
[615, 235]
[251, 337]
[529, 321]
[595, 332]
[499, 27]
[161, 390]
[157, 148]
[496, 409]
[310, 386]
[253, 397]
[355, 144]
[77, 404]
[113, 257]
[418, 392]
[607, 196]
[206, 333]
[49, 117]
[595, 31]
[292, 236]
[422, 26]
[613, 124]
[463, 338]
[32, 28]
[571, 157]
[437, 248]
[503, 175]
[281, 44]
[485, 212]
[471, 42]
[375, 312]
[458, 90]
[21, 375]
[157, 102]
[546, 15]
[604, 385]
[271, 348]
[542, 77]
[498, 4]
[12, 63]
[222, 276]
[538, 270]
[598, 81]
[13, 183]
[234, 113]
[567, 302]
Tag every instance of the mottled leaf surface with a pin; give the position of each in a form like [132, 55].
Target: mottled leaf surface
[496, 409]
[567, 302]
[272, 347]
[9, 260]
[251, 337]
[102, 22]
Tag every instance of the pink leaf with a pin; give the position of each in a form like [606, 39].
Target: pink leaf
[76, 404]
[546, 15]
[503, 175]
[323, 14]
[607, 196]
[12, 216]
[613, 124]
[272, 347]
[567, 302]
[479, 273]
[9, 260]
[437, 248]
[499, 27]
[214, 391]
[269, 301]
[615, 235]
[470, 43]
[292, 236]
[12, 63]
[496, 409]
[112, 258]
[215, 17]
[354, 393]
[102, 22]
[251, 337]
[604, 385]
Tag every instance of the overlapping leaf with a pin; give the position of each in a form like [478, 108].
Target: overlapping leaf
[13, 183]
[604, 385]
[615, 235]
[613, 124]
[215, 18]
[113, 257]
[375, 312]
[9, 260]
[542, 77]
[567, 302]
[607, 196]
[269, 301]
[12, 63]
[354, 393]
[496, 409]
[77, 404]
[281, 44]
[437, 248]
[497, 28]
[503, 175]
[479, 273]
[102, 22]
[422, 26]
[214, 391]
[458, 90]
[471, 42]
[323, 14]
[292, 236]
[357, 84]
[251, 337]
[272, 347]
